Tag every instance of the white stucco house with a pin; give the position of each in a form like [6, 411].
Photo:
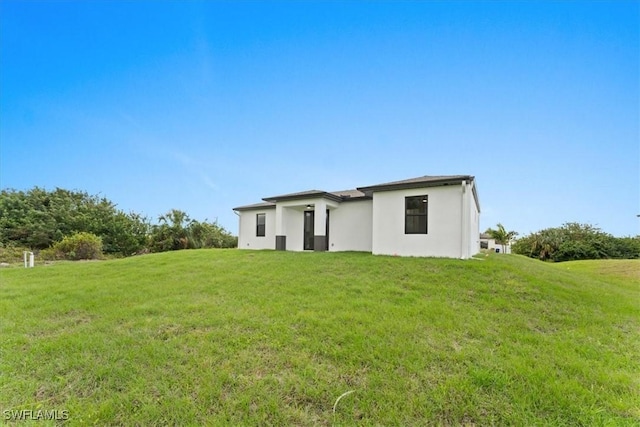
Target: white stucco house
[489, 243]
[435, 216]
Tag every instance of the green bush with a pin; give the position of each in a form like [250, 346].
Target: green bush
[11, 254]
[38, 218]
[575, 241]
[177, 231]
[49, 254]
[79, 246]
[628, 247]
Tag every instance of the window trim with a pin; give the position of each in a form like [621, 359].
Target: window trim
[263, 225]
[424, 198]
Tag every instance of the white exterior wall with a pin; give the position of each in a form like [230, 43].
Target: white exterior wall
[470, 243]
[474, 223]
[247, 238]
[492, 246]
[294, 218]
[350, 226]
[449, 223]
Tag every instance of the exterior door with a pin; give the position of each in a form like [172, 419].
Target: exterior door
[308, 230]
[326, 239]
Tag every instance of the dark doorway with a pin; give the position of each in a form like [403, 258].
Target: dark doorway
[309, 236]
[308, 230]
[326, 233]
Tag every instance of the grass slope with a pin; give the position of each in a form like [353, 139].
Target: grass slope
[228, 337]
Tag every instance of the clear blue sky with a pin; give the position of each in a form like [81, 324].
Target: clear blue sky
[204, 106]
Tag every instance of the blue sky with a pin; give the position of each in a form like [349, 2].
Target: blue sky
[204, 106]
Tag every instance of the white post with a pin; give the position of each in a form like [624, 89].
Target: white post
[28, 260]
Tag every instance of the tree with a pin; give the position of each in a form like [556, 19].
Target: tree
[126, 234]
[39, 218]
[172, 233]
[211, 235]
[502, 236]
[177, 231]
[574, 241]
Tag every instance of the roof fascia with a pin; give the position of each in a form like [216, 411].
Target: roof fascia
[356, 199]
[321, 194]
[420, 184]
[254, 207]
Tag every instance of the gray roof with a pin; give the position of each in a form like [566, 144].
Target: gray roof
[337, 196]
[362, 193]
[302, 195]
[349, 194]
[422, 181]
[263, 205]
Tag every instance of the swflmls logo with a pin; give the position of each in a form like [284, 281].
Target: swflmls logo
[40, 414]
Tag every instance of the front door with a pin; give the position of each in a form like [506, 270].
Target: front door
[326, 233]
[308, 230]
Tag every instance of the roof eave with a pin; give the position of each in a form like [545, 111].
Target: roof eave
[356, 199]
[289, 197]
[420, 184]
[255, 206]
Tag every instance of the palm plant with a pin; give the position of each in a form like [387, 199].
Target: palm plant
[502, 236]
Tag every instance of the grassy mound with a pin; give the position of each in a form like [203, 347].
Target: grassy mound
[251, 338]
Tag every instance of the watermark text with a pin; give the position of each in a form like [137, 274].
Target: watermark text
[35, 414]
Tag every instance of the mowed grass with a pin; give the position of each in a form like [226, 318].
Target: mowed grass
[229, 337]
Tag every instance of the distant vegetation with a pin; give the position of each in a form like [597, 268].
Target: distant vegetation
[177, 231]
[59, 222]
[574, 241]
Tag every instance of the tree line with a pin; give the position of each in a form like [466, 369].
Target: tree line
[573, 241]
[41, 220]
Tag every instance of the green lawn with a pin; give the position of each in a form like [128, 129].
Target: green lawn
[228, 337]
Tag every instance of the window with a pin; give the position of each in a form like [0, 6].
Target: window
[415, 218]
[260, 224]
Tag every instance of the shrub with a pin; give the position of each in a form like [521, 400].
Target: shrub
[49, 254]
[11, 254]
[177, 231]
[38, 218]
[628, 247]
[79, 246]
[575, 241]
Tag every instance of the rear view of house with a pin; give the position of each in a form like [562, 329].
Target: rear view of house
[434, 216]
